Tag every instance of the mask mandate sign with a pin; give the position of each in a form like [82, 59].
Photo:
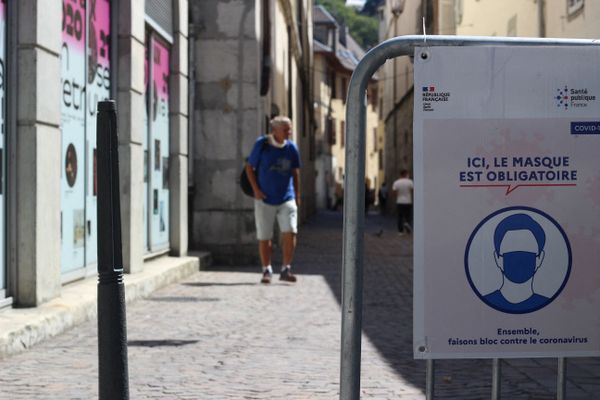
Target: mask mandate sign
[507, 202]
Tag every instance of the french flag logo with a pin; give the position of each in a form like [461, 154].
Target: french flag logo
[428, 88]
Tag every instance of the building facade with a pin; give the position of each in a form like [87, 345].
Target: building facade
[529, 18]
[488, 18]
[524, 18]
[251, 61]
[58, 60]
[399, 18]
[336, 56]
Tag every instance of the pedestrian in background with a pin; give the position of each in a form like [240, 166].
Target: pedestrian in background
[382, 197]
[369, 196]
[273, 170]
[339, 197]
[403, 189]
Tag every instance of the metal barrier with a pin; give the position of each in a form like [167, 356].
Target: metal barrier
[352, 273]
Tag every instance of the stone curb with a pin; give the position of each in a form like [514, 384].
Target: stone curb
[21, 328]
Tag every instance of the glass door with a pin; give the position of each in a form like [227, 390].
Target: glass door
[85, 80]
[73, 79]
[156, 146]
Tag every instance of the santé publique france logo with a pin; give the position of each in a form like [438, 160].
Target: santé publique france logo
[562, 97]
[571, 98]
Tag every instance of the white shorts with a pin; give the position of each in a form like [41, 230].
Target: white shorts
[264, 215]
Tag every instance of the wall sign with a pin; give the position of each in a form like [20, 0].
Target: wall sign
[507, 202]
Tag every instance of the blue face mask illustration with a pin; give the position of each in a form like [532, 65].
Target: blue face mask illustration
[519, 266]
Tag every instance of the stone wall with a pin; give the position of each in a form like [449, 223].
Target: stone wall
[226, 122]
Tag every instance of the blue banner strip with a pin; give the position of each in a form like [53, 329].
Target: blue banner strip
[585, 128]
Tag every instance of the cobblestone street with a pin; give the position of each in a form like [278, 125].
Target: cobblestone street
[219, 334]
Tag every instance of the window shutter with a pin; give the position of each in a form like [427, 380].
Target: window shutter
[161, 12]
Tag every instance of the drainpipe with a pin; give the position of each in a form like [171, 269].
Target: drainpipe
[190, 132]
[541, 18]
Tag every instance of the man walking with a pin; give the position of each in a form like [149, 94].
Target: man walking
[403, 188]
[273, 170]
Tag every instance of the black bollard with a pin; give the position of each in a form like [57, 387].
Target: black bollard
[112, 327]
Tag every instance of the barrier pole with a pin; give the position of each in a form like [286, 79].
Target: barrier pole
[561, 379]
[430, 380]
[112, 328]
[496, 374]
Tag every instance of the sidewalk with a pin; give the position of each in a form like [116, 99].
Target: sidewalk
[219, 334]
[21, 328]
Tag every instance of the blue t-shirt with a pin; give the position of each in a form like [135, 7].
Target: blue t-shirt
[274, 169]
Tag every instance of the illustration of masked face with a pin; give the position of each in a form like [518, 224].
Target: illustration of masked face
[519, 258]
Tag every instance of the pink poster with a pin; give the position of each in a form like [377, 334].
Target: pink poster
[160, 79]
[98, 53]
[73, 24]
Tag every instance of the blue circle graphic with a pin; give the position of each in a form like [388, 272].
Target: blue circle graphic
[533, 306]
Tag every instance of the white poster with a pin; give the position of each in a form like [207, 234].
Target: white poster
[507, 202]
[72, 125]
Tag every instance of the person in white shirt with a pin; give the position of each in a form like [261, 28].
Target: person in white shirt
[403, 188]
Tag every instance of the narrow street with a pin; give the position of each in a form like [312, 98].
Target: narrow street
[219, 334]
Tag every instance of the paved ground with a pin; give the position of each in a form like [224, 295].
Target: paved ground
[220, 335]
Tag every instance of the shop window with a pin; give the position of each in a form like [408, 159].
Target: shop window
[156, 144]
[85, 80]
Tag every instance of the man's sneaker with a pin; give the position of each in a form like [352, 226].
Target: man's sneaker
[266, 277]
[286, 275]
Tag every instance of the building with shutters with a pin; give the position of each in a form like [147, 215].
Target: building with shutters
[251, 61]
[336, 56]
[523, 18]
[399, 18]
[529, 18]
[57, 60]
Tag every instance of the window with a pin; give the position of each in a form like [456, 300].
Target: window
[574, 6]
[155, 143]
[333, 91]
[458, 12]
[344, 88]
[374, 98]
[85, 80]
[330, 129]
[342, 133]
[511, 29]
[398, 7]
[374, 139]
